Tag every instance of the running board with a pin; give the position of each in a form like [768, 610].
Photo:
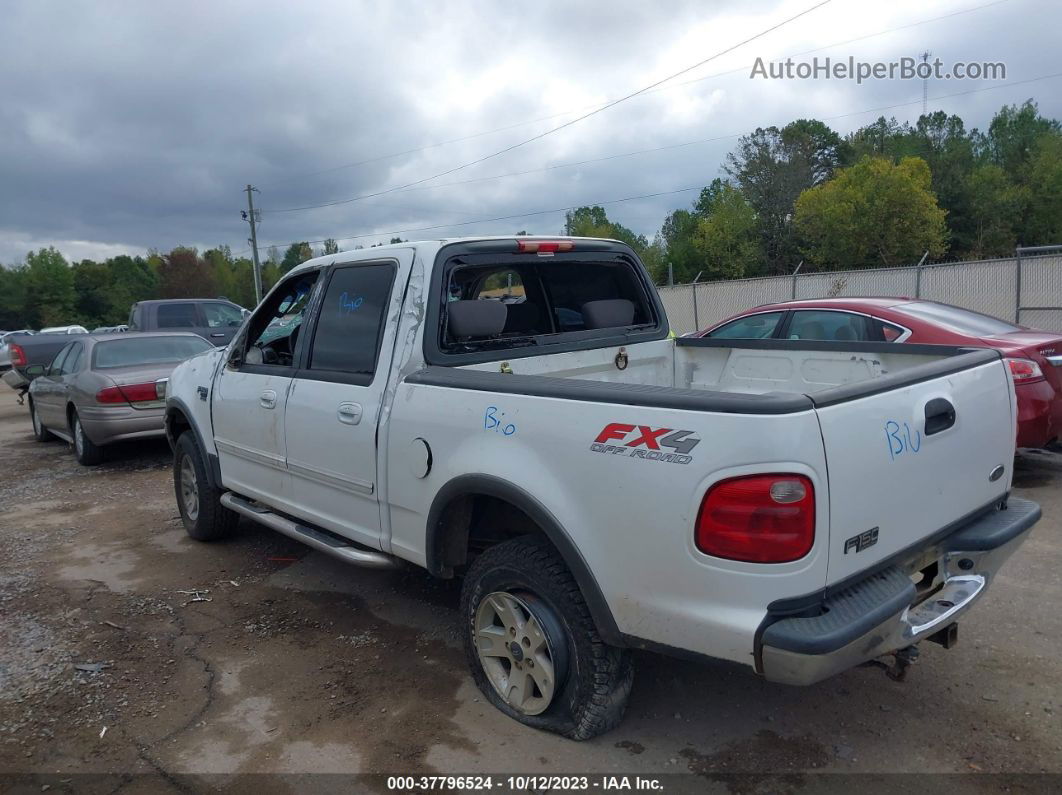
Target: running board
[320, 540]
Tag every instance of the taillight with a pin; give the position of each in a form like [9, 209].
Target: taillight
[128, 393]
[18, 356]
[544, 246]
[1022, 370]
[758, 519]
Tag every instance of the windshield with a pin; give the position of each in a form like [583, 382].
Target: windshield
[146, 351]
[962, 321]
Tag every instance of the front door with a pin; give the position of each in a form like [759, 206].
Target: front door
[336, 397]
[252, 391]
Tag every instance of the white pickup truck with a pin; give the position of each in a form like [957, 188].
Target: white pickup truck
[514, 411]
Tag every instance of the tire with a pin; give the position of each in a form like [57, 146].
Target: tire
[199, 501]
[592, 680]
[40, 433]
[87, 452]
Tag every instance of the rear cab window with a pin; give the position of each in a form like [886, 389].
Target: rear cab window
[513, 302]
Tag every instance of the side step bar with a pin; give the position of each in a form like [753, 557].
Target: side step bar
[320, 540]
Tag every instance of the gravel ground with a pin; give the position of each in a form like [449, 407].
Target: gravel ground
[296, 664]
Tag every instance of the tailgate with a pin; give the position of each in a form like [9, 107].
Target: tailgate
[906, 462]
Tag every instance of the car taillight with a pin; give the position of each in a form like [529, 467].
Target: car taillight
[1024, 369]
[544, 246]
[128, 393]
[758, 519]
[18, 356]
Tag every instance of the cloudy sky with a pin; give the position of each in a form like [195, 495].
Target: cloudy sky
[126, 126]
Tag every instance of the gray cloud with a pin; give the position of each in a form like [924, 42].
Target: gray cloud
[126, 126]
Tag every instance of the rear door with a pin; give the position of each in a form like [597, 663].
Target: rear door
[905, 463]
[46, 394]
[336, 398]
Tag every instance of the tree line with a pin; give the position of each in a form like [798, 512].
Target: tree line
[881, 196]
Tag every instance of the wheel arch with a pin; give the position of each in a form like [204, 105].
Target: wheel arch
[449, 524]
[176, 422]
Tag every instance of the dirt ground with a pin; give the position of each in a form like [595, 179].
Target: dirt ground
[298, 664]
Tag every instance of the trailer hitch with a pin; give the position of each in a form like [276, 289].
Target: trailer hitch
[902, 660]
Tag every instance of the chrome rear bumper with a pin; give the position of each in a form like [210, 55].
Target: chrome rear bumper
[882, 613]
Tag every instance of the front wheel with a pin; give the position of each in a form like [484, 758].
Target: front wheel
[87, 452]
[199, 501]
[40, 433]
[534, 650]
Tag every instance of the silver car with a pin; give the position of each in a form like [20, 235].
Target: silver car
[106, 388]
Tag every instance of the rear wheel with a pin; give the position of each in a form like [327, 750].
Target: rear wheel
[87, 452]
[199, 501]
[40, 433]
[534, 650]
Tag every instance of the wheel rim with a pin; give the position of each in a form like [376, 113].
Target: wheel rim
[516, 653]
[79, 437]
[189, 489]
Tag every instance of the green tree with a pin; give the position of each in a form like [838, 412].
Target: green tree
[772, 167]
[13, 300]
[331, 247]
[995, 210]
[872, 214]
[727, 238]
[92, 288]
[132, 279]
[1043, 221]
[50, 296]
[296, 254]
[1012, 136]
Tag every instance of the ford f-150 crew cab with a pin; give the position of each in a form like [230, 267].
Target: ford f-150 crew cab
[514, 411]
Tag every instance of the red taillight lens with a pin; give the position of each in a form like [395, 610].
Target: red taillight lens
[758, 519]
[128, 393]
[18, 356]
[544, 246]
[1024, 369]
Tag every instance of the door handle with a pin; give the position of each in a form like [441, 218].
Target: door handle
[940, 415]
[349, 413]
[268, 399]
[217, 334]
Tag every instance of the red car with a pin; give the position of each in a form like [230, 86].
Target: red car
[1035, 357]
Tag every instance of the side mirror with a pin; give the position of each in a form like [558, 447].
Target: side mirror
[34, 370]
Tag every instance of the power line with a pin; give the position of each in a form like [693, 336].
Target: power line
[651, 150]
[671, 86]
[527, 214]
[606, 106]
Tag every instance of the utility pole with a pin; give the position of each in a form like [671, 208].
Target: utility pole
[925, 83]
[251, 217]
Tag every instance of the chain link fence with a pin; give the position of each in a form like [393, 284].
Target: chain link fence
[1025, 288]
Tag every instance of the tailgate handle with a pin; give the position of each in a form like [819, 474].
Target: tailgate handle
[940, 415]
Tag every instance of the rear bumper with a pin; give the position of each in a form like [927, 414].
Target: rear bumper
[883, 613]
[1039, 414]
[104, 425]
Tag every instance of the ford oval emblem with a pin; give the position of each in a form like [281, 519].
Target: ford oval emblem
[996, 473]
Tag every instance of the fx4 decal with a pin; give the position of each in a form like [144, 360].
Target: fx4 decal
[641, 441]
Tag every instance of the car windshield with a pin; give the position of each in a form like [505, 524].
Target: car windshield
[147, 350]
[955, 319]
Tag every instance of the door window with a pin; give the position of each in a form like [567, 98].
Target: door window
[57, 362]
[222, 315]
[274, 328]
[751, 327]
[830, 326]
[72, 361]
[350, 323]
[177, 316]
